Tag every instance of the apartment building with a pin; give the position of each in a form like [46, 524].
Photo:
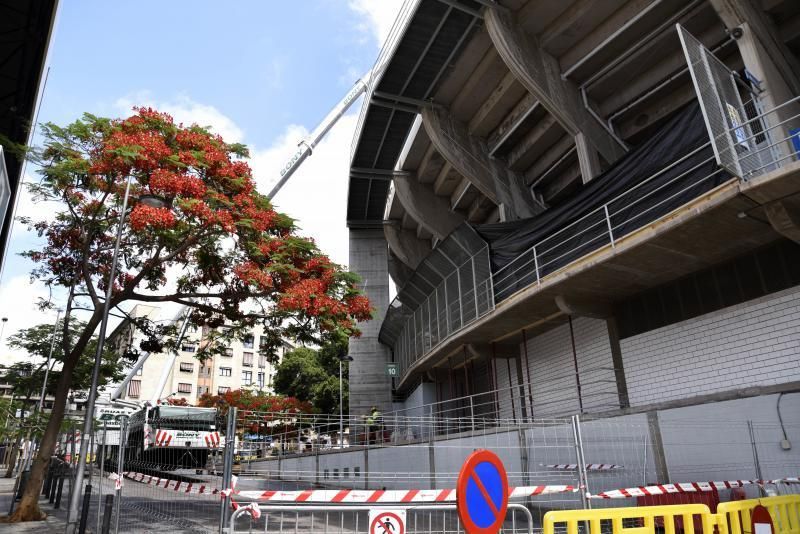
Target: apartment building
[239, 367]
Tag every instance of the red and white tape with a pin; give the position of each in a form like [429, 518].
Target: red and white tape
[347, 496]
[167, 483]
[589, 467]
[686, 487]
[334, 496]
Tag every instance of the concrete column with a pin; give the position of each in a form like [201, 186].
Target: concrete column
[540, 74]
[766, 57]
[588, 158]
[369, 385]
[469, 155]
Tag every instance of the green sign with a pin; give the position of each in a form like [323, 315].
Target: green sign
[392, 370]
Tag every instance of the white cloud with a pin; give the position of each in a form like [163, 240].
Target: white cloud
[184, 109]
[378, 16]
[18, 298]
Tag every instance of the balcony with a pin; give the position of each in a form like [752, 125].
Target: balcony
[690, 213]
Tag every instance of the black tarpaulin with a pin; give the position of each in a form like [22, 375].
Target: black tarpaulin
[661, 174]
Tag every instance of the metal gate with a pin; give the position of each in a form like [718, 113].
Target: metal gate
[738, 134]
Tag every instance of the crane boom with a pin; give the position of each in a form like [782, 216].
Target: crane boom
[306, 146]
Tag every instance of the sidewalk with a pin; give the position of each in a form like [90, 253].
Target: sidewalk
[55, 521]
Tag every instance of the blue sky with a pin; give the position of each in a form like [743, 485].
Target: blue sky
[260, 72]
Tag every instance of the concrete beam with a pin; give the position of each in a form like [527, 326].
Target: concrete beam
[784, 216]
[518, 114]
[540, 74]
[583, 308]
[399, 271]
[542, 135]
[495, 107]
[549, 158]
[430, 211]
[588, 158]
[405, 245]
[764, 40]
[470, 157]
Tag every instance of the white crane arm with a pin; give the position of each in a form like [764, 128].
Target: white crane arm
[306, 146]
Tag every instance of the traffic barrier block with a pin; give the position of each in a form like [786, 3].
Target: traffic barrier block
[735, 517]
[635, 520]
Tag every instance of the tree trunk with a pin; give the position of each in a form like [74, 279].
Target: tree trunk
[12, 459]
[28, 509]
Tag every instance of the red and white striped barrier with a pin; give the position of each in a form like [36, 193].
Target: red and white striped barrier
[347, 496]
[212, 440]
[163, 438]
[589, 467]
[686, 487]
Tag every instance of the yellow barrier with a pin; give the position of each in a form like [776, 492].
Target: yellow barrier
[735, 516]
[671, 518]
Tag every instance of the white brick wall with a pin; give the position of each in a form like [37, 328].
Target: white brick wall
[552, 369]
[751, 344]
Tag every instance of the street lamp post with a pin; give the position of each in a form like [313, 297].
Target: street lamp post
[47, 365]
[75, 498]
[345, 358]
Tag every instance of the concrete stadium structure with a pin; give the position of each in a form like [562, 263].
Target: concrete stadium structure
[489, 112]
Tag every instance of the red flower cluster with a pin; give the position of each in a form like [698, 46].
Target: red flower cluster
[143, 217]
[250, 273]
[169, 184]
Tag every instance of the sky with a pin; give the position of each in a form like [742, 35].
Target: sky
[264, 73]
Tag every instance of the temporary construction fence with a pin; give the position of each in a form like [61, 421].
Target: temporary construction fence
[302, 478]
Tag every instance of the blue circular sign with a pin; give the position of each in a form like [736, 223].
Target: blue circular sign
[482, 493]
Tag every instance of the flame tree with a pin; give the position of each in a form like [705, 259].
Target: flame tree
[216, 245]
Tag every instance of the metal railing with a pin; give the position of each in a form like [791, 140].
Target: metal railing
[461, 298]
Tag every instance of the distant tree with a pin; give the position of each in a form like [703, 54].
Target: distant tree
[28, 377]
[313, 376]
[258, 412]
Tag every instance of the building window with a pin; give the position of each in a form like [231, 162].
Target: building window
[326, 473]
[221, 390]
[247, 377]
[228, 353]
[202, 390]
[187, 367]
[357, 472]
[261, 380]
[248, 340]
[188, 348]
[346, 472]
[184, 388]
[224, 371]
[262, 361]
[134, 388]
[262, 342]
[247, 359]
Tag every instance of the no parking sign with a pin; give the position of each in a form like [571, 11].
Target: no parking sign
[482, 493]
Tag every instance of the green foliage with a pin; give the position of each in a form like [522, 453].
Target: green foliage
[313, 376]
[27, 377]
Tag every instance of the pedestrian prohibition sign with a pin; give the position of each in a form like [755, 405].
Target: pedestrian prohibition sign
[482, 493]
[387, 522]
